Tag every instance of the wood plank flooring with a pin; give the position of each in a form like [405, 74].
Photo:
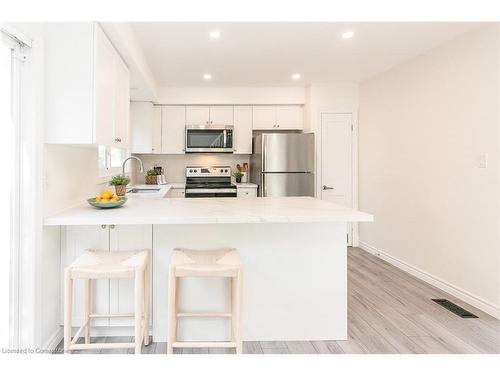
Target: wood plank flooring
[389, 311]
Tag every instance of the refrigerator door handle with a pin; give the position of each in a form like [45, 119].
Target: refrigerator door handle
[263, 184]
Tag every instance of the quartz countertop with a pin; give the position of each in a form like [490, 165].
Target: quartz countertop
[245, 185]
[210, 211]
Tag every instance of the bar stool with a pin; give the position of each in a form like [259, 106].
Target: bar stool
[96, 264]
[195, 263]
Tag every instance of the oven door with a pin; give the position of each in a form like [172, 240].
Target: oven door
[210, 193]
[209, 139]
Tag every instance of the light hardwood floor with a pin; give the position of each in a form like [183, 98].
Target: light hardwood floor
[389, 312]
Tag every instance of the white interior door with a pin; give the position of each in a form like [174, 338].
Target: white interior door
[336, 161]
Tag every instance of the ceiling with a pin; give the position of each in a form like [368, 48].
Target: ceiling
[267, 54]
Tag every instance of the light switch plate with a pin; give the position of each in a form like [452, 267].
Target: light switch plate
[483, 161]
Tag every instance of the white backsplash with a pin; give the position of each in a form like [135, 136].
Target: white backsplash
[174, 166]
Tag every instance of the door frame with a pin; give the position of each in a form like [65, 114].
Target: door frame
[354, 235]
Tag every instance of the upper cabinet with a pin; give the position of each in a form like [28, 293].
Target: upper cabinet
[173, 125]
[162, 128]
[242, 130]
[283, 117]
[145, 127]
[86, 87]
[209, 115]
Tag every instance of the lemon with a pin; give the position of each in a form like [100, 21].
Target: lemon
[106, 195]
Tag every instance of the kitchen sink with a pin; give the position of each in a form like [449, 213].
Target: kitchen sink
[143, 190]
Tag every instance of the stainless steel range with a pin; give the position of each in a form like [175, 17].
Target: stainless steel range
[209, 182]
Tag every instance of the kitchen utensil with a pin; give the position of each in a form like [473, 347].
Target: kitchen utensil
[118, 203]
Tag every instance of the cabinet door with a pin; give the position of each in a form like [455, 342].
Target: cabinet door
[197, 115]
[145, 126]
[173, 125]
[122, 104]
[242, 135]
[221, 115]
[289, 117]
[264, 117]
[75, 240]
[246, 192]
[121, 292]
[104, 91]
[176, 193]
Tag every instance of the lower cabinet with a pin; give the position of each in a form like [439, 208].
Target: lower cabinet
[176, 193]
[246, 192]
[110, 296]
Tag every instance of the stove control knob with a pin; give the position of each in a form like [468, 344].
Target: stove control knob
[190, 171]
[195, 171]
[222, 170]
[225, 170]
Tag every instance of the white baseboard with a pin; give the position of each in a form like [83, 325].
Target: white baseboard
[54, 339]
[455, 291]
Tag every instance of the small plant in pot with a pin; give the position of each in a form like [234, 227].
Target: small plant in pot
[151, 177]
[238, 175]
[120, 183]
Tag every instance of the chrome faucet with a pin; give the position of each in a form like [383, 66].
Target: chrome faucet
[127, 159]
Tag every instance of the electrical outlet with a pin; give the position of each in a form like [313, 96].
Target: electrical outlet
[483, 161]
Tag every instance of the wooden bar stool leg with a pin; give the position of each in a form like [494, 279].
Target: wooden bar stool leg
[146, 305]
[139, 303]
[68, 302]
[172, 315]
[88, 308]
[236, 311]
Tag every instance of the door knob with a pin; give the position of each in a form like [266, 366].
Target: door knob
[327, 187]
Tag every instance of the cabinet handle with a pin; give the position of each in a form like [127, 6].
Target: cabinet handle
[103, 226]
[327, 187]
[118, 139]
[112, 226]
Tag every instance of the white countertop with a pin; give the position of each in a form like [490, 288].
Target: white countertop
[245, 185]
[210, 211]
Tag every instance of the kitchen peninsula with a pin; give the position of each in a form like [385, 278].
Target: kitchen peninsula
[293, 251]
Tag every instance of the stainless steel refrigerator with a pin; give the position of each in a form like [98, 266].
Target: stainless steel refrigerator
[283, 164]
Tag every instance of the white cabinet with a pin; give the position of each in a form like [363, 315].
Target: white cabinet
[110, 296]
[173, 125]
[122, 104]
[242, 136]
[284, 117]
[289, 117]
[264, 117]
[86, 87]
[209, 115]
[197, 115]
[176, 192]
[221, 115]
[246, 191]
[145, 127]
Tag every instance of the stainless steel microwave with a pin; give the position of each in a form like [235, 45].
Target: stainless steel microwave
[209, 138]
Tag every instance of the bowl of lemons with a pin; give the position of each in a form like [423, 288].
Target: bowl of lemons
[107, 200]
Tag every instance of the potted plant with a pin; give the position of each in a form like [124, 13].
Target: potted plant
[151, 177]
[238, 175]
[120, 183]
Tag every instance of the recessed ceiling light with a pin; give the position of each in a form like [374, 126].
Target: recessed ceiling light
[214, 34]
[347, 34]
[207, 77]
[296, 76]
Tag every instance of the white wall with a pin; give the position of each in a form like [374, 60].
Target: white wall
[343, 96]
[175, 165]
[231, 95]
[423, 126]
